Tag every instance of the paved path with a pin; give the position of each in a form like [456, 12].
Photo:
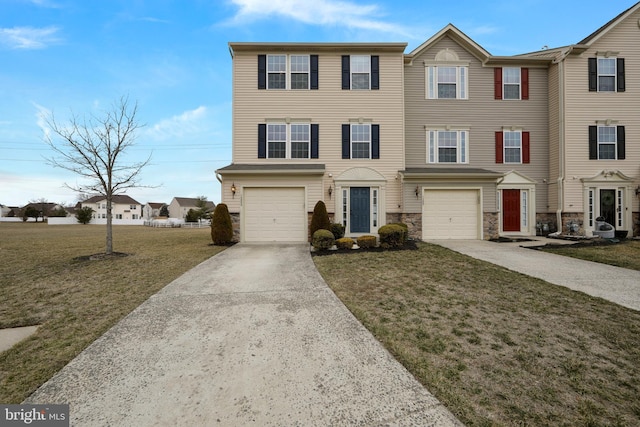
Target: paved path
[616, 284]
[252, 336]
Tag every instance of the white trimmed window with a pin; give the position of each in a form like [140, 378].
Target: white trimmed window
[607, 74]
[299, 71]
[448, 146]
[360, 68]
[607, 142]
[512, 146]
[447, 82]
[290, 71]
[361, 141]
[288, 141]
[276, 71]
[511, 83]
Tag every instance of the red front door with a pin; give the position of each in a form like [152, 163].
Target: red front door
[511, 210]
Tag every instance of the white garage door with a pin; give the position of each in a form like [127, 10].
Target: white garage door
[274, 215]
[450, 214]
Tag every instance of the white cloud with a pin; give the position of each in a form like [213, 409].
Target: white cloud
[29, 37]
[41, 119]
[178, 126]
[318, 12]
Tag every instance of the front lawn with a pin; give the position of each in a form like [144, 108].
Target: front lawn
[624, 254]
[496, 347]
[46, 279]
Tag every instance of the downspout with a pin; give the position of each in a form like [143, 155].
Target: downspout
[561, 142]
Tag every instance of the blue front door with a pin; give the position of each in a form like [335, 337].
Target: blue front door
[360, 209]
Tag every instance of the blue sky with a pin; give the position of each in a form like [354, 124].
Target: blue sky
[172, 58]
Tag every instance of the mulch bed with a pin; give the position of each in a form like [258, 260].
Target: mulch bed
[410, 245]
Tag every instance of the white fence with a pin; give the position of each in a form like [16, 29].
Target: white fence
[95, 221]
[175, 223]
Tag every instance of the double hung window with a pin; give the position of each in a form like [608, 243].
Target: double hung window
[445, 82]
[288, 141]
[448, 146]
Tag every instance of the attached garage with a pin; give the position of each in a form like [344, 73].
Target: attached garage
[274, 214]
[451, 214]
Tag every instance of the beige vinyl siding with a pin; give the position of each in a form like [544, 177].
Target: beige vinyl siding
[312, 185]
[483, 115]
[329, 107]
[414, 205]
[584, 108]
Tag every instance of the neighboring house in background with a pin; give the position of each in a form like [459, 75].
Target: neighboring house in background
[152, 210]
[4, 210]
[314, 121]
[179, 206]
[45, 208]
[594, 121]
[454, 141]
[122, 207]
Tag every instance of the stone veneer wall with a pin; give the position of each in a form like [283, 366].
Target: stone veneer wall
[490, 225]
[546, 218]
[235, 223]
[573, 217]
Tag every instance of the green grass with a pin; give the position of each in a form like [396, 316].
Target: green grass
[496, 347]
[43, 282]
[625, 254]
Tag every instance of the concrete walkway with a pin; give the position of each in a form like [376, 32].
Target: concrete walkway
[619, 285]
[252, 336]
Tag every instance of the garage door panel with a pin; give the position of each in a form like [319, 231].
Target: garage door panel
[450, 214]
[274, 215]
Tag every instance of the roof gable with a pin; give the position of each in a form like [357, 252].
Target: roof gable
[600, 32]
[459, 37]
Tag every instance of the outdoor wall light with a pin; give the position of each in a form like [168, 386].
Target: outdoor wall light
[417, 191]
[638, 190]
[330, 191]
[233, 190]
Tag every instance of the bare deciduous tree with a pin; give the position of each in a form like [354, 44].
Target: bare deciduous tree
[94, 148]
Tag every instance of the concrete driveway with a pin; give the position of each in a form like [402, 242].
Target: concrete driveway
[619, 285]
[252, 336]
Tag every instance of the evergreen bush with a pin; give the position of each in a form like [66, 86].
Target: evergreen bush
[345, 243]
[367, 241]
[337, 229]
[392, 236]
[221, 226]
[322, 240]
[320, 218]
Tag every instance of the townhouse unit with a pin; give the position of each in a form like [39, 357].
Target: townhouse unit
[315, 122]
[453, 141]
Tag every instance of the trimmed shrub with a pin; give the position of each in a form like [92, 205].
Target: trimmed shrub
[337, 229]
[320, 218]
[322, 240]
[367, 241]
[221, 226]
[345, 243]
[392, 236]
[405, 227]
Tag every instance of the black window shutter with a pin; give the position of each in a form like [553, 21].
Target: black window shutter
[346, 141]
[593, 142]
[262, 141]
[621, 82]
[314, 71]
[375, 141]
[262, 71]
[621, 143]
[314, 141]
[375, 72]
[593, 75]
[346, 72]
